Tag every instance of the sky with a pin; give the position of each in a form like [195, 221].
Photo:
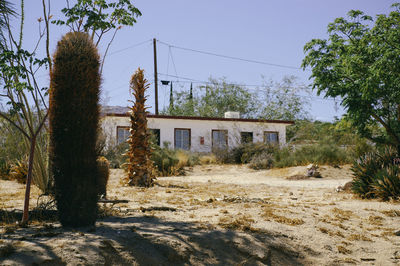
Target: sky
[273, 32]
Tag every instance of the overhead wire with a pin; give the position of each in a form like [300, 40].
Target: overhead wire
[231, 57]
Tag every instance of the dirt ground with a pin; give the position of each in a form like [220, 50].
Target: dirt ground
[216, 215]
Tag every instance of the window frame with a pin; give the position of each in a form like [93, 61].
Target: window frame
[277, 136]
[190, 137]
[120, 127]
[247, 132]
[226, 137]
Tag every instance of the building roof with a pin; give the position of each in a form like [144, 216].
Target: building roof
[120, 111]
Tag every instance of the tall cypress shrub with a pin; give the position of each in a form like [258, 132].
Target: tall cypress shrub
[74, 118]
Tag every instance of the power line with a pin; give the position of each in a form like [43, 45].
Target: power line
[248, 86]
[230, 57]
[129, 47]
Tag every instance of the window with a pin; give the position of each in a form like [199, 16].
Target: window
[155, 135]
[246, 137]
[122, 134]
[271, 137]
[182, 138]
[219, 139]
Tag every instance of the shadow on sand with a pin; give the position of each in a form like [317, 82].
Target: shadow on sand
[144, 240]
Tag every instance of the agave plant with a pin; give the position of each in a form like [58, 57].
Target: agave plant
[375, 175]
[139, 166]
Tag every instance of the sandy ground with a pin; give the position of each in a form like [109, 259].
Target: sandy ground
[216, 215]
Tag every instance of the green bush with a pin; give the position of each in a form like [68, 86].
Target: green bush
[376, 176]
[165, 160]
[315, 153]
[116, 154]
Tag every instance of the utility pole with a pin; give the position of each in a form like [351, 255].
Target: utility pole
[155, 76]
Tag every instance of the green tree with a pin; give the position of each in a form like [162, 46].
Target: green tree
[214, 99]
[360, 63]
[285, 100]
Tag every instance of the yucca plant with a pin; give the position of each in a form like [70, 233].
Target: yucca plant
[74, 118]
[139, 166]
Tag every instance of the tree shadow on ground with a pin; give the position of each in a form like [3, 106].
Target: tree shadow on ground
[147, 240]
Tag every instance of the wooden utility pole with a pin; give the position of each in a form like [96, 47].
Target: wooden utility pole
[155, 76]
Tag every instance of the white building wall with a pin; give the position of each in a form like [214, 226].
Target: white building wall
[199, 128]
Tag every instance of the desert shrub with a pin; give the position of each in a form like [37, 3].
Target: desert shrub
[207, 159]
[165, 160]
[103, 175]
[316, 153]
[223, 156]
[244, 153]
[375, 175]
[116, 154]
[19, 171]
[187, 158]
[262, 161]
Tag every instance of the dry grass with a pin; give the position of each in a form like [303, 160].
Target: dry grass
[341, 215]
[243, 223]
[359, 237]
[391, 213]
[208, 159]
[376, 220]
[268, 214]
[343, 250]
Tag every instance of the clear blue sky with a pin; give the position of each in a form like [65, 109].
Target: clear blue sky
[262, 30]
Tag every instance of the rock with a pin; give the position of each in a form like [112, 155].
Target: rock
[312, 171]
[345, 187]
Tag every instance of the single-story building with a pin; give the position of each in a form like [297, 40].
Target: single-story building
[197, 134]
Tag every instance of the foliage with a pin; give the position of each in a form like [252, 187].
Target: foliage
[340, 132]
[284, 100]
[11, 147]
[165, 160]
[98, 17]
[213, 100]
[116, 155]
[375, 175]
[262, 161]
[322, 153]
[74, 118]
[244, 153]
[274, 100]
[19, 171]
[359, 63]
[139, 165]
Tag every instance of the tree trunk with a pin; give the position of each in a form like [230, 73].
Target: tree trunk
[25, 215]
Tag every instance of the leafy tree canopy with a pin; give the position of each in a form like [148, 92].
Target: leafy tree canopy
[360, 62]
[273, 100]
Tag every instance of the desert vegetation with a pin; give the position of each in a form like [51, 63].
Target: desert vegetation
[252, 204]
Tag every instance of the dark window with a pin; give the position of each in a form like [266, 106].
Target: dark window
[182, 138]
[219, 139]
[246, 137]
[122, 134]
[271, 137]
[155, 135]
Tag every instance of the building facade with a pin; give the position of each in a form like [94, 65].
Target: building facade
[198, 134]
